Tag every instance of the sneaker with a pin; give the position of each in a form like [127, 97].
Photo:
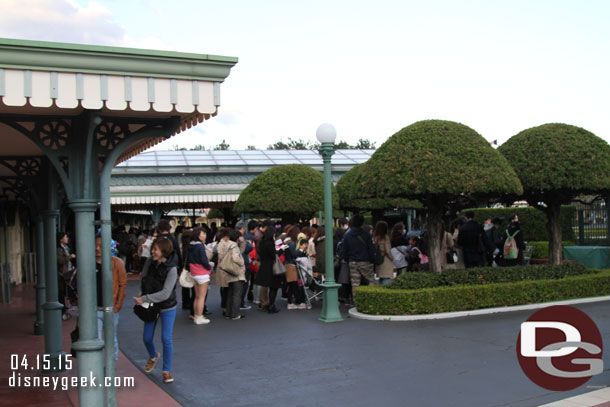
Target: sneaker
[245, 308]
[273, 310]
[66, 316]
[302, 306]
[200, 320]
[167, 377]
[292, 306]
[242, 316]
[150, 365]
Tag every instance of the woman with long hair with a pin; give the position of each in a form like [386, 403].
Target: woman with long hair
[158, 286]
[233, 284]
[385, 271]
[200, 268]
[265, 278]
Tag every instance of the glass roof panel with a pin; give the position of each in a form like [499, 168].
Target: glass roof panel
[280, 162]
[170, 162]
[142, 163]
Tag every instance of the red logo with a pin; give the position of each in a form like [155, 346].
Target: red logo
[559, 348]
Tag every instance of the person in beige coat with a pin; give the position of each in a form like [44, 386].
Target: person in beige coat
[385, 271]
[231, 285]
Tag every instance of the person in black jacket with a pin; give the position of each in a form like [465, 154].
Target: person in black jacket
[473, 241]
[158, 286]
[358, 252]
[265, 278]
[514, 230]
[495, 240]
[188, 295]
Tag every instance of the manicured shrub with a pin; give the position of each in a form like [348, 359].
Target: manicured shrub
[487, 275]
[378, 300]
[540, 250]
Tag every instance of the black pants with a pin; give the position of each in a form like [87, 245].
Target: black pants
[473, 259]
[188, 296]
[296, 294]
[233, 298]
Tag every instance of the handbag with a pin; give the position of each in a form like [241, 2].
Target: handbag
[148, 314]
[186, 280]
[451, 256]
[228, 265]
[278, 267]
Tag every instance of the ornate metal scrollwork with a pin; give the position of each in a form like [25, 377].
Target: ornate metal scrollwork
[109, 134]
[53, 134]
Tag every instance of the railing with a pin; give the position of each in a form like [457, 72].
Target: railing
[591, 225]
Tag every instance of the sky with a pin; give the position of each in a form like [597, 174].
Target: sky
[368, 68]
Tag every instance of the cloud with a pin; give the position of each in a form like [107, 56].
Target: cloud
[61, 21]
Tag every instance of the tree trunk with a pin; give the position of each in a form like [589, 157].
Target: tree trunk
[435, 220]
[554, 229]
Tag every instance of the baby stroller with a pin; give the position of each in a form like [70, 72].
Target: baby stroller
[311, 285]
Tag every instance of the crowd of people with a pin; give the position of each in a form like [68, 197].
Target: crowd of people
[243, 262]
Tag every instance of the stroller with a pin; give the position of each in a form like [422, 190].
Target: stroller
[71, 293]
[311, 285]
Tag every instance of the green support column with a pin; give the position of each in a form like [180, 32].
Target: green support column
[330, 306]
[52, 308]
[40, 277]
[89, 347]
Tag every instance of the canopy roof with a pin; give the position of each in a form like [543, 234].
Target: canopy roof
[57, 79]
[198, 179]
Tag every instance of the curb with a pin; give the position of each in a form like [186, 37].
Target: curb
[353, 312]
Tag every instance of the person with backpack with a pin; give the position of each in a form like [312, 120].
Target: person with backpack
[513, 240]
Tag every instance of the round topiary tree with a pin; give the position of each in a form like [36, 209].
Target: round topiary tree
[556, 163]
[437, 163]
[290, 192]
[352, 198]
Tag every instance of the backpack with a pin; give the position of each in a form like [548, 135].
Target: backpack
[511, 251]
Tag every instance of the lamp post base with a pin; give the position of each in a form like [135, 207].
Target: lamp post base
[330, 305]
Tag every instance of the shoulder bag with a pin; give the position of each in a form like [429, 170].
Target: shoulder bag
[228, 265]
[278, 267]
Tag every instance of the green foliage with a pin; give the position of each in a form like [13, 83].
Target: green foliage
[540, 250]
[487, 275]
[351, 196]
[533, 222]
[215, 213]
[251, 148]
[378, 300]
[294, 145]
[221, 146]
[559, 159]
[286, 191]
[435, 159]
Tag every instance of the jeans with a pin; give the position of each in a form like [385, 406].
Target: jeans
[384, 281]
[234, 298]
[167, 319]
[100, 330]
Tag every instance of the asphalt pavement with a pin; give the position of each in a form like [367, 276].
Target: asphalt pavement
[293, 359]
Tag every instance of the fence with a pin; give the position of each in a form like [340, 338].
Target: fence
[591, 225]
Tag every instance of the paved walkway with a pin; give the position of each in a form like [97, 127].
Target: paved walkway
[292, 359]
[17, 320]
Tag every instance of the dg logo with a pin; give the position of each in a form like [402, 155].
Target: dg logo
[560, 348]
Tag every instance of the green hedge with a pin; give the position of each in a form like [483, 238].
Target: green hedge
[487, 275]
[540, 250]
[533, 221]
[378, 300]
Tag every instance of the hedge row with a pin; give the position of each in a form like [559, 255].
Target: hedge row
[487, 275]
[533, 221]
[540, 250]
[377, 300]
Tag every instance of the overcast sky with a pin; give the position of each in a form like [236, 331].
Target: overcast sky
[369, 68]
